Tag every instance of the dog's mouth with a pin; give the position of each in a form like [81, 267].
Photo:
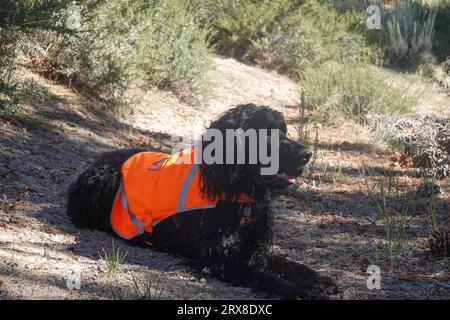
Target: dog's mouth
[287, 178]
[282, 180]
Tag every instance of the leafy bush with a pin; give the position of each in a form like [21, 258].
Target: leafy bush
[30, 14]
[122, 43]
[237, 25]
[9, 104]
[351, 5]
[313, 34]
[283, 34]
[341, 91]
[176, 54]
[17, 19]
[119, 44]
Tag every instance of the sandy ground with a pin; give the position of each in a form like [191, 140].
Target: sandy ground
[330, 223]
[232, 83]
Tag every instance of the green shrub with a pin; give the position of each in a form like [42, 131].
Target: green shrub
[99, 54]
[351, 5]
[347, 91]
[9, 103]
[174, 50]
[121, 44]
[313, 34]
[17, 19]
[30, 14]
[237, 25]
[125, 43]
[8, 53]
[283, 34]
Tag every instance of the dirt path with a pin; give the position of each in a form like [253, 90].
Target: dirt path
[332, 225]
[232, 83]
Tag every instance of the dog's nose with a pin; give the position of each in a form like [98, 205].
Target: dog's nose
[305, 155]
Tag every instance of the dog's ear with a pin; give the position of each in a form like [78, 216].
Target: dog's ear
[221, 180]
[227, 180]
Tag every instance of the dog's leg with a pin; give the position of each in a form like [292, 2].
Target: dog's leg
[233, 269]
[315, 284]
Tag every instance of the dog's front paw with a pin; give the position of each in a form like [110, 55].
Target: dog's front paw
[318, 288]
[301, 292]
[327, 285]
[322, 287]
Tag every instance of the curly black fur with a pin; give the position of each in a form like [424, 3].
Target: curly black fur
[215, 238]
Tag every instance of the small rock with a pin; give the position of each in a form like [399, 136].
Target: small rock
[5, 219]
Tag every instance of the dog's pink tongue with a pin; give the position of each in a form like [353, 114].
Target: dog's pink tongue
[291, 180]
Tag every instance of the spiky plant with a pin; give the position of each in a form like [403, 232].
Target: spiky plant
[113, 259]
[409, 30]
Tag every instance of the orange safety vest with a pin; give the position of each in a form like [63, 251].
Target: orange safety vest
[155, 186]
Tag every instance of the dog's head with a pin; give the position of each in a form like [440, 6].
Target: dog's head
[264, 140]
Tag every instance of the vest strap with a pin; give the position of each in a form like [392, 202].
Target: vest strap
[185, 187]
[139, 225]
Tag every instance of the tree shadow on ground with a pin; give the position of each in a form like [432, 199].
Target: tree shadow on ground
[41, 157]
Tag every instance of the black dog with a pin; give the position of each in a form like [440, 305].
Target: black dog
[224, 239]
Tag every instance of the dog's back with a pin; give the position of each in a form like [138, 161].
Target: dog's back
[91, 197]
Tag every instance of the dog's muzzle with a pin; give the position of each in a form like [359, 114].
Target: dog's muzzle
[282, 180]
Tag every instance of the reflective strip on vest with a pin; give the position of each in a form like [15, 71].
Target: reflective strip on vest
[125, 214]
[183, 194]
[185, 187]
